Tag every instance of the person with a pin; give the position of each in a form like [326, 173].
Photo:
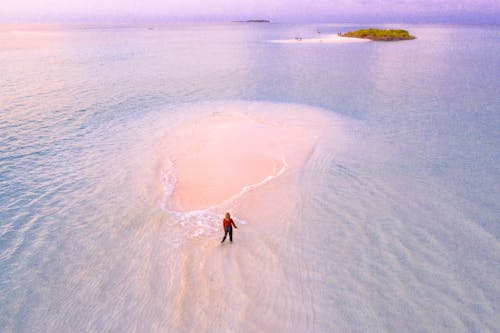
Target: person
[228, 224]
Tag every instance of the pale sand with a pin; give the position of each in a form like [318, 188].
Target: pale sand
[219, 156]
[323, 39]
[246, 158]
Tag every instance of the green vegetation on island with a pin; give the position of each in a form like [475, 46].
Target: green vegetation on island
[379, 34]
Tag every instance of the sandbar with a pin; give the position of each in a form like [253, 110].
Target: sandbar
[322, 39]
[220, 154]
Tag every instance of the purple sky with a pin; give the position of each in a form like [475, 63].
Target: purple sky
[479, 11]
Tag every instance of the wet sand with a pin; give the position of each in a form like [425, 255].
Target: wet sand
[219, 156]
[242, 158]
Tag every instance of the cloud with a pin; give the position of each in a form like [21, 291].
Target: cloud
[238, 9]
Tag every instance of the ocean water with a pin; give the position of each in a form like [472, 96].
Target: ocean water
[394, 228]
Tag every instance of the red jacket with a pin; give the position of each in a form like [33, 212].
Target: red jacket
[228, 223]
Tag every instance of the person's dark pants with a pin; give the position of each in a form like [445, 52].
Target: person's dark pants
[228, 230]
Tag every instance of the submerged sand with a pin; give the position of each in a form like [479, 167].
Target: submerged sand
[247, 158]
[220, 155]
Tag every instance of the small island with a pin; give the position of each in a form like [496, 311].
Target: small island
[258, 21]
[379, 34]
[254, 21]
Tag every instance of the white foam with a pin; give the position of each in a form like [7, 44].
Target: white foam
[169, 180]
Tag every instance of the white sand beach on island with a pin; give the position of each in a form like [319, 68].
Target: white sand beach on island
[330, 38]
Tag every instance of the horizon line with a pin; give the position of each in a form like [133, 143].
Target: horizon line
[467, 18]
[125, 22]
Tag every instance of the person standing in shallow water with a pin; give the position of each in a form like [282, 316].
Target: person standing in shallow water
[228, 224]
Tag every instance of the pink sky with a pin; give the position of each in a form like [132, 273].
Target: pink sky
[276, 10]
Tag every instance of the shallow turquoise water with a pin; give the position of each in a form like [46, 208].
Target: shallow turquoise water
[405, 229]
